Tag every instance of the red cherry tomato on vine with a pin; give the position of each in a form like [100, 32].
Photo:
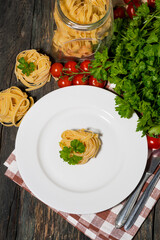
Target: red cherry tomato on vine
[80, 79]
[94, 82]
[71, 66]
[151, 3]
[56, 69]
[129, 1]
[84, 65]
[153, 143]
[119, 12]
[64, 82]
[131, 9]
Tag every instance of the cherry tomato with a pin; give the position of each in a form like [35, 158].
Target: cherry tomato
[151, 3]
[94, 82]
[64, 82]
[71, 66]
[56, 69]
[119, 12]
[84, 65]
[153, 143]
[129, 1]
[131, 9]
[80, 79]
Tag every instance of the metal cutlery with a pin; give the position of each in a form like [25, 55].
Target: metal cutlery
[123, 215]
[141, 202]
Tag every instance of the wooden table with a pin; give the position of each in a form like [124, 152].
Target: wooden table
[27, 24]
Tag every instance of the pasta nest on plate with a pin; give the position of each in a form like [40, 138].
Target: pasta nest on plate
[90, 140]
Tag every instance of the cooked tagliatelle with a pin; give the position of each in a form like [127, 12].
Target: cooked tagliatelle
[40, 76]
[90, 140]
[13, 105]
[72, 42]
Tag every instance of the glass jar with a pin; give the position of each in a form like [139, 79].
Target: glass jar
[82, 28]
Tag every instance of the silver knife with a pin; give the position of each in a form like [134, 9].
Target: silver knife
[123, 215]
[141, 202]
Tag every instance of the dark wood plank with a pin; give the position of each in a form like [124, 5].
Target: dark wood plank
[15, 34]
[146, 231]
[37, 221]
[156, 226]
[42, 35]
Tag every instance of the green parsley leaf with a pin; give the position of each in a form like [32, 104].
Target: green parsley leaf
[74, 160]
[100, 64]
[67, 153]
[157, 5]
[158, 50]
[134, 58]
[143, 10]
[21, 60]
[77, 146]
[154, 131]
[152, 38]
[27, 68]
[123, 108]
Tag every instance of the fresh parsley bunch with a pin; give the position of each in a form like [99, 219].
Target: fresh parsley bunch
[27, 68]
[135, 67]
[68, 153]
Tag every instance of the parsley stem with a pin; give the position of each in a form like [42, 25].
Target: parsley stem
[147, 22]
[76, 73]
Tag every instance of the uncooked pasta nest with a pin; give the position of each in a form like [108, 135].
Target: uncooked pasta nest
[40, 75]
[79, 43]
[13, 106]
[84, 11]
[90, 140]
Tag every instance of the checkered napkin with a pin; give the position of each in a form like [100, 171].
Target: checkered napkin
[98, 226]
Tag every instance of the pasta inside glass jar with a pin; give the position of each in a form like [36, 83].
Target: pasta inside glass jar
[82, 28]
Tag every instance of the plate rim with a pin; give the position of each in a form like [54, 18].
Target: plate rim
[41, 100]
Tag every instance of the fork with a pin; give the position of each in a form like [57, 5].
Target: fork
[127, 208]
[141, 202]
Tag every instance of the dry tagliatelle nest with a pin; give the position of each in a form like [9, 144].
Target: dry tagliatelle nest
[13, 106]
[32, 69]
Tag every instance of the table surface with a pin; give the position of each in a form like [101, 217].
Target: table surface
[27, 24]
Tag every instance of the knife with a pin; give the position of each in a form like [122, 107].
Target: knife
[123, 215]
[141, 202]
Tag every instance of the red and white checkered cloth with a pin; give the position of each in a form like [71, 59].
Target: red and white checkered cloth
[98, 226]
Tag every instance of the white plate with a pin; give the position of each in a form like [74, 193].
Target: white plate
[97, 185]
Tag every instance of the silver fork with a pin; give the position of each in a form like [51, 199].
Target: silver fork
[141, 202]
[152, 164]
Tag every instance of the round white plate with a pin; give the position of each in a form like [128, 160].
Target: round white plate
[97, 185]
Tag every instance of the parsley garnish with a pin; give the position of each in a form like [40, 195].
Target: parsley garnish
[77, 146]
[135, 67]
[27, 68]
[67, 154]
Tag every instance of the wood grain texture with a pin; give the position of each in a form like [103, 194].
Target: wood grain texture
[156, 222]
[26, 24]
